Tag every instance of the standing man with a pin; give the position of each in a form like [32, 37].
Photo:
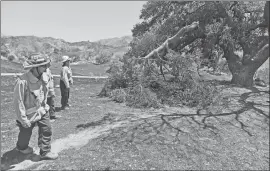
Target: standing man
[65, 82]
[50, 93]
[30, 107]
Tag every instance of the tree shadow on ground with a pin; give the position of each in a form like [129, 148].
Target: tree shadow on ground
[246, 106]
[199, 133]
[105, 119]
[165, 118]
[12, 157]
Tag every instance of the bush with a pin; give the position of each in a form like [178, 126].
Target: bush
[116, 79]
[138, 97]
[141, 97]
[186, 92]
[138, 87]
[103, 58]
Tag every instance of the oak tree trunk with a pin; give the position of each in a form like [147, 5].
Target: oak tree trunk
[243, 71]
[243, 77]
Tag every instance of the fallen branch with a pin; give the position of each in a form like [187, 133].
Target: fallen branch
[173, 42]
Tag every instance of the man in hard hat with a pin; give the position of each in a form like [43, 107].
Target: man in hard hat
[31, 108]
[65, 82]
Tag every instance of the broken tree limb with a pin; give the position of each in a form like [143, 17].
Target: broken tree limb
[171, 43]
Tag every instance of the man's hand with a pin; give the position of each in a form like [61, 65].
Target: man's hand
[26, 124]
[47, 108]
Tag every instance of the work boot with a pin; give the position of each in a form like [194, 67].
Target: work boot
[55, 117]
[64, 108]
[49, 156]
[28, 150]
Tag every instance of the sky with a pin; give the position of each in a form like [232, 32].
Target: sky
[70, 20]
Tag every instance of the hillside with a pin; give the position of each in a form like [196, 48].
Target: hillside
[19, 46]
[116, 42]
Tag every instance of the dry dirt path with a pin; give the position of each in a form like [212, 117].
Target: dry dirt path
[99, 134]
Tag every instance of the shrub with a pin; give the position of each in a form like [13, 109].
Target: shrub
[103, 58]
[186, 92]
[137, 87]
[116, 79]
[141, 97]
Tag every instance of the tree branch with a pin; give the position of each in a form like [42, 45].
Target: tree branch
[179, 39]
[265, 23]
[212, 40]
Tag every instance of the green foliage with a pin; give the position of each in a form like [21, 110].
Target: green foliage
[185, 86]
[139, 86]
[167, 17]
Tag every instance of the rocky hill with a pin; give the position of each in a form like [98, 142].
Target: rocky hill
[17, 47]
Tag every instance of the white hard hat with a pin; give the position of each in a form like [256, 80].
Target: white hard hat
[65, 58]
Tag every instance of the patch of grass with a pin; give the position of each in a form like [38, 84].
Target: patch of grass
[86, 69]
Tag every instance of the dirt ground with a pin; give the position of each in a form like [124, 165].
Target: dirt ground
[99, 134]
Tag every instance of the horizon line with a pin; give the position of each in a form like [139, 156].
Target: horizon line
[4, 35]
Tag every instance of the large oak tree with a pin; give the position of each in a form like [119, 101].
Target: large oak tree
[206, 26]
